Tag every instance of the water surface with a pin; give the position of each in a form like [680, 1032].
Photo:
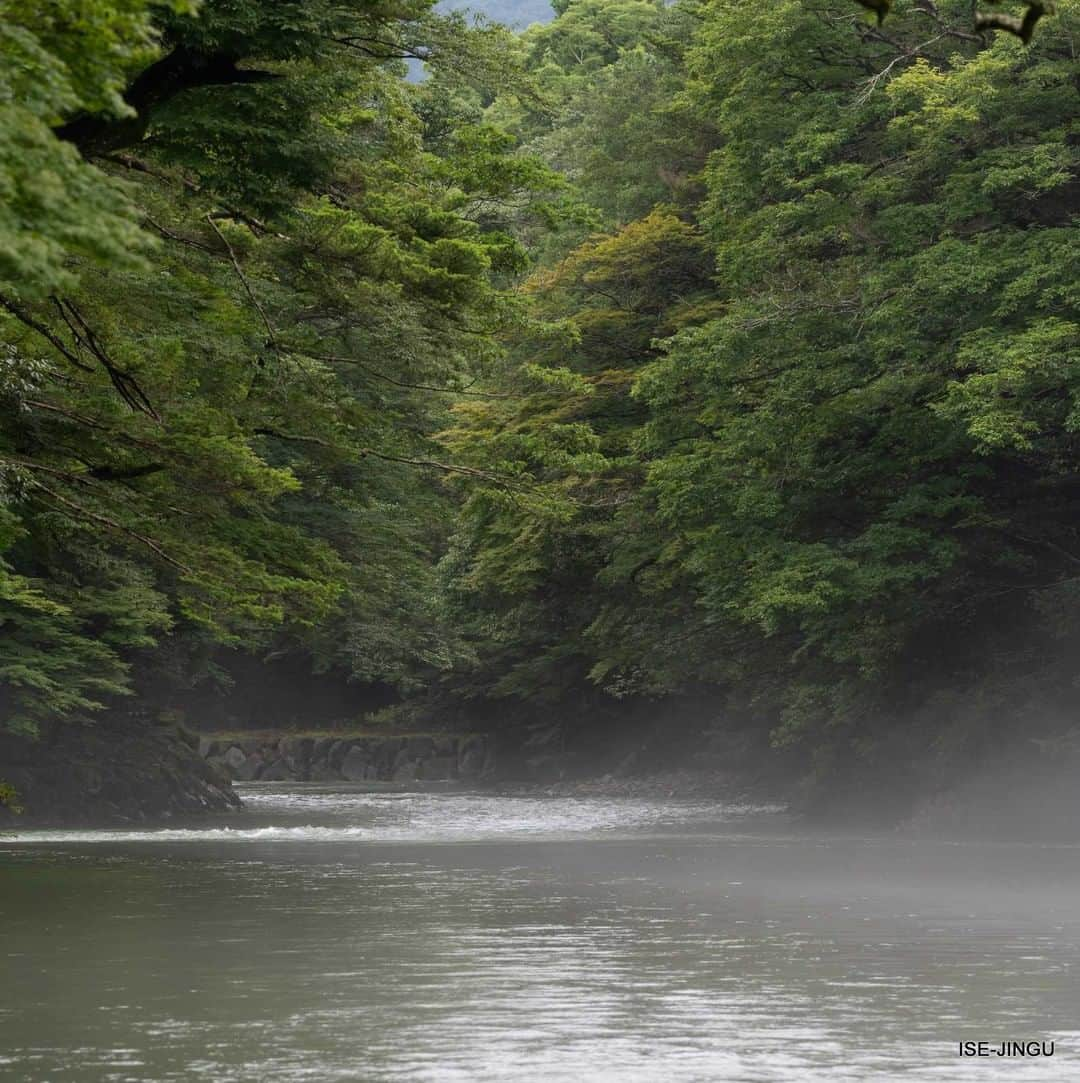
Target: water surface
[337, 934]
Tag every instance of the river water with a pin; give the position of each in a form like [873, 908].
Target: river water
[333, 934]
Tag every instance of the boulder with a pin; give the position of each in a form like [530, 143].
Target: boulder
[420, 748]
[446, 745]
[278, 771]
[250, 769]
[489, 760]
[471, 757]
[544, 768]
[296, 752]
[90, 778]
[336, 753]
[438, 767]
[218, 764]
[323, 772]
[320, 749]
[385, 755]
[354, 766]
[235, 757]
[406, 772]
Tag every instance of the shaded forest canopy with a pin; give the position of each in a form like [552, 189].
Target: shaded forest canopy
[660, 353]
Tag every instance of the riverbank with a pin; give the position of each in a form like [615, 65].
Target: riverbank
[113, 772]
[124, 772]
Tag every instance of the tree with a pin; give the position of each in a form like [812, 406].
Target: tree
[896, 242]
[218, 396]
[1022, 26]
[844, 496]
[59, 60]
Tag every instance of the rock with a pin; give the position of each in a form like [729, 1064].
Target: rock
[218, 764]
[250, 769]
[336, 754]
[488, 770]
[544, 768]
[438, 767]
[234, 758]
[420, 748]
[354, 766]
[296, 752]
[323, 772]
[406, 772]
[189, 737]
[386, 752]
[320, 749]
[122, 769]
[366, 747]
[207, 747]
[471, 757]
[278, 771]
[90, 778]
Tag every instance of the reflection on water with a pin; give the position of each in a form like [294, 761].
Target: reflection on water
[300, 812]
[353, 936]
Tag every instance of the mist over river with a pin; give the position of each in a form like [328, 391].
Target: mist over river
[342, 934]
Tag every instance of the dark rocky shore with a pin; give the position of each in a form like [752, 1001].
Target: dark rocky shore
[110, 773]
[126, 772]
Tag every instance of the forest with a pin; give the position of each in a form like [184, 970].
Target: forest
[699, 363]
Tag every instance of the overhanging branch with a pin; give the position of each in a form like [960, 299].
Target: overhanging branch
[180, 70]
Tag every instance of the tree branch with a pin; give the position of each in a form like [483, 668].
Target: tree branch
[182, 69]
[179, 238]
[112, 524]
[447, 468]
[297, 438]
[85, 513]
[271, 333]
[336, 359]
[55, 341]
[126, 385]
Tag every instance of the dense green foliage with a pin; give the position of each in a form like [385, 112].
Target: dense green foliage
[661, 350]
[233, 305]
[807, 434]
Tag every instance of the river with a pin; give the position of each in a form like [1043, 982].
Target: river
[339, 934]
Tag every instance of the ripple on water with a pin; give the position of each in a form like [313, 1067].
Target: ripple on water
[644, 942]
[334, 816]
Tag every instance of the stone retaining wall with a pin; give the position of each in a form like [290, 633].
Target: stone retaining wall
[356, 758]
